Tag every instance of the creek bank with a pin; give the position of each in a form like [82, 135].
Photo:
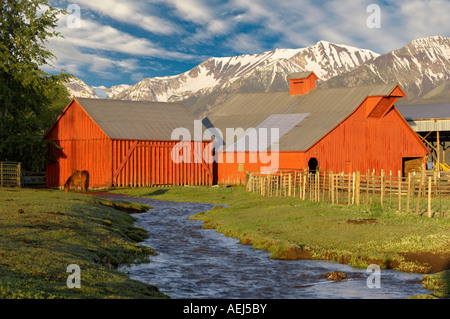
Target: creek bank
[194, 262]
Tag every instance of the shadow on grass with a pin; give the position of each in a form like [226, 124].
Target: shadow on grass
[157, 192]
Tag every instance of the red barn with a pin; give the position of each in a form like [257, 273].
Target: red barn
[124, 143]
[338, 129]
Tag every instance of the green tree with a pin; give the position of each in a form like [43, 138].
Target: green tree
[28, 95]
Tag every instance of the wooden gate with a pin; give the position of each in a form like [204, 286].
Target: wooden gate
[10, 174]
[150, 163]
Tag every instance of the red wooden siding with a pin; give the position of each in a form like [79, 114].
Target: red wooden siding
[84, 147]
[302, 86]
[234, 173]
[367, 143]
[146, 163]
[117, 162]
[373, 137]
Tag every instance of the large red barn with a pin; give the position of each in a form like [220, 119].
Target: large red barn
[337, 129]
[124, 143]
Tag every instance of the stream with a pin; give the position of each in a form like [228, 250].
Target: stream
[201, 263]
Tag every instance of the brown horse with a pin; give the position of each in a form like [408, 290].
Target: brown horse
[78, 179]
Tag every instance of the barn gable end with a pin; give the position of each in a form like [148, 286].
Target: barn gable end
[78, 135]
[367, 142]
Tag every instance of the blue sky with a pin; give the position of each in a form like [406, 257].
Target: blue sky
[123, 42]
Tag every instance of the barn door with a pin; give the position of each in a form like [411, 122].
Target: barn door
[412, 164]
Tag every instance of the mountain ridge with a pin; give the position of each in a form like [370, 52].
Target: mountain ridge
[419, 67]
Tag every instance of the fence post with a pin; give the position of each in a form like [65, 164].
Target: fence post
[277, 192]
[408, 194]
[429, 196]
[373, 185]
[422, 180]
[300, 186]
[357, 187]
[349, 188]
[304, 186]
[390, 188]
[290, 186]
[324, 180]
[440, 195]
[367, 186]
[400, 181]
[19, 175]
[353, 188]
[295, 182]
[318, 185]
[382, 188]
[332, 187]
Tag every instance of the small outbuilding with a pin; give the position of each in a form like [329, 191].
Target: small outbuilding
[337, 129]
[125, 143]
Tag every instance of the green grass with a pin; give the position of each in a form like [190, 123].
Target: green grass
[290, 228]
[439, 283]
[42, 232]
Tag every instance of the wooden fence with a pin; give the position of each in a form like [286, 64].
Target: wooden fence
[425, 192]
[10, 174]
[34, 179]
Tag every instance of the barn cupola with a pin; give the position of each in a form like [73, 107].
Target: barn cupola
[301, 83]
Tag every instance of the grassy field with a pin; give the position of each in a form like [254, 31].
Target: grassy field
[42, 232]
[291, 229]
[45, 231]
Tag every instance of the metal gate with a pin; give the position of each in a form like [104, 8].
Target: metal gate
[10, 174]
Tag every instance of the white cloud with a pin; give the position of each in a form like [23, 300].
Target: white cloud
[93, 35]
[304, 22]
[103, 50]
[245, 43]
[131, 12]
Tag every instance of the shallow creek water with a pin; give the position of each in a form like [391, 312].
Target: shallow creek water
[201, 263]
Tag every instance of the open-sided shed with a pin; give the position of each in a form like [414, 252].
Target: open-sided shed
[124, 143]
[432, 124]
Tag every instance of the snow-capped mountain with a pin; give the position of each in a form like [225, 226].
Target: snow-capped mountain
[418, 67]
[78, 88]
[324, 58]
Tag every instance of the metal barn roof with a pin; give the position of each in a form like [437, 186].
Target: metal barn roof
[327, 108]
[425, 111]
[136, 120]
[261, 138]
[300, 75]
[427, 117]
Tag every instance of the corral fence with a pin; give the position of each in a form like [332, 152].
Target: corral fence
[34, 179]
[426, 192]
[12, 175]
